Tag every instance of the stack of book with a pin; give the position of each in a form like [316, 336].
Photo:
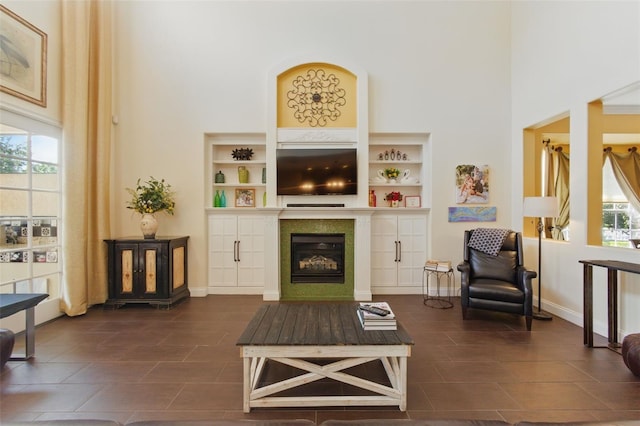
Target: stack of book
[376, 321]
[438, 265]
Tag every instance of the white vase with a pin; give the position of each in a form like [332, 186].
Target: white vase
[149, 226]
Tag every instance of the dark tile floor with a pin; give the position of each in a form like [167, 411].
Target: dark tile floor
[141, 363]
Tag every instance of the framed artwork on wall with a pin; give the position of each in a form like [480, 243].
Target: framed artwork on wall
[472, 184]
[23, 72]
[245, 197]
[473, 214]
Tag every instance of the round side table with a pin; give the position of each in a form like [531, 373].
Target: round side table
[438, 300]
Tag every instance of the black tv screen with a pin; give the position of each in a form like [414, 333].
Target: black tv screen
[316, 171]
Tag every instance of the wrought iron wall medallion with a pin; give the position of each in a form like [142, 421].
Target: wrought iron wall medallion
[316, 98]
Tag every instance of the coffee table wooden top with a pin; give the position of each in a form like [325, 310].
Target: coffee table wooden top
[317, 324]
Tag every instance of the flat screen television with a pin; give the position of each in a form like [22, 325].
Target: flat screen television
[317, 171]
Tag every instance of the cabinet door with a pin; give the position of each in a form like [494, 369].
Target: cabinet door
[223, 232]
[126, 270]
[178, 266]
[152, 278]
[384, 255]
[251, 251]
[412, 234]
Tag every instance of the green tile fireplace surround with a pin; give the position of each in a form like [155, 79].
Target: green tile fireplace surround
[316, 291]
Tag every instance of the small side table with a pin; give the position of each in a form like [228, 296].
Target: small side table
[438, 301]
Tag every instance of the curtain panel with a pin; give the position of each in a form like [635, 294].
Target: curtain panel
[561, 189]
[626, 169]
[86, 111]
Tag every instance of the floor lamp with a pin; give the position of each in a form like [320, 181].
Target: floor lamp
[540, 207]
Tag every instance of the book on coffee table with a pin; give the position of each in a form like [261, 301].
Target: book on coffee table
[373, 321]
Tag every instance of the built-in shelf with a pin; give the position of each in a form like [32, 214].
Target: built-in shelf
[413, 165]
[218, 154]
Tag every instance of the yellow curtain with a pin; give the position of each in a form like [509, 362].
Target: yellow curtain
[626, 169]
[86, 109]
[561, 190]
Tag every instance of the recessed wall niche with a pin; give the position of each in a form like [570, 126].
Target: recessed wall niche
[614, 126]
[317, 95]
[546, 160]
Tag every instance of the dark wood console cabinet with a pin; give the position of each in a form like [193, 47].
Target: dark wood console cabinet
[150, 271]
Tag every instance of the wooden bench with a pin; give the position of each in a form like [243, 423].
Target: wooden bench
[305, 336]
[13, 303]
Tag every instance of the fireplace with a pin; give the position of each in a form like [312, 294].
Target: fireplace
[317, 258]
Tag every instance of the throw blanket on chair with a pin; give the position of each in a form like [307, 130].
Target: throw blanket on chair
[488, 240]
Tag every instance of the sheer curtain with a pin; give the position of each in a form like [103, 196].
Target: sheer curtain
[86, 59]
[626, 169]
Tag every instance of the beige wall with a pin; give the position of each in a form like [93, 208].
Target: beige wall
[433, 67]
[558, 70]
[473, 74]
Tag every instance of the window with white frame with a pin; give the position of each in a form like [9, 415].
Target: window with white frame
[30, 206]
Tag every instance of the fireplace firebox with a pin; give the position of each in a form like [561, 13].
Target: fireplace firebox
[317, 258]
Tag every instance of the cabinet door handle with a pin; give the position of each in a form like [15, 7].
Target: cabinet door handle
[399, 251]
[237, 254]
[396, 259]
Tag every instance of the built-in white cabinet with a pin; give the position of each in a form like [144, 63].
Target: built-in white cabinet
[406, 152]
[236, 252]
[219, 149]
[398, 252]
[243, 242]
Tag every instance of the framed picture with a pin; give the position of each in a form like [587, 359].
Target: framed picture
[472, 214]
[472, 184]
[24, 59]
[245, 197]
[412, 201]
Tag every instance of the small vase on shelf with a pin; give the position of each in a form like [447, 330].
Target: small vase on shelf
[243, 174]
[216, 199]
[223, 200]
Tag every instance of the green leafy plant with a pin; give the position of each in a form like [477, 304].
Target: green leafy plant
[152, 196]
[391, 173]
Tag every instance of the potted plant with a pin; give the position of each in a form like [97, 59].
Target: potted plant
[391, 173]
[148, 198]
[393, 198]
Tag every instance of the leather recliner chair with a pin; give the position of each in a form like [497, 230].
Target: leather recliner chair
[497, 283]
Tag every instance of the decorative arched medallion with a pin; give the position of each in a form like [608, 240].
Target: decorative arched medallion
[317, 95]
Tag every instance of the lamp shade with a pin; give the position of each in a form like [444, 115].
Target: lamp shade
[540, 207]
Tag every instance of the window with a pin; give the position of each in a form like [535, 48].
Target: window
[30, 206]
[613, 136]
[620, 221]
